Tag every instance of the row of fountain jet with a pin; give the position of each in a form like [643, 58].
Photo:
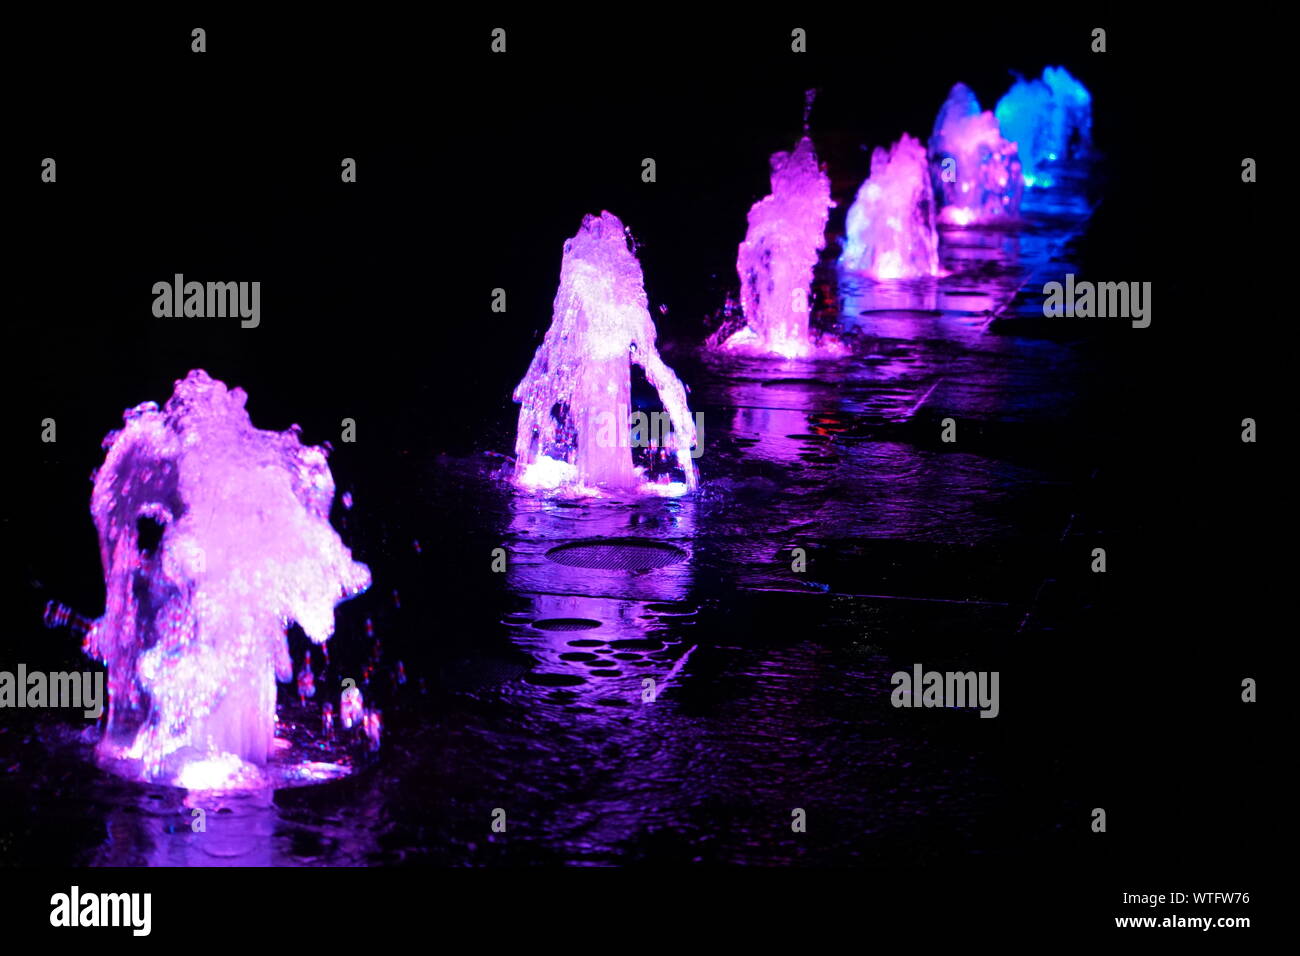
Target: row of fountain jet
[193, 632]
[576, 396]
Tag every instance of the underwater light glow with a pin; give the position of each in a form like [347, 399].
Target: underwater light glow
[575, 400]
[193, 633]
[976, 171]
[890, 227]
[1049, 118]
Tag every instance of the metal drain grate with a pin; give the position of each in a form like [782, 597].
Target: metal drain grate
[617, 554]
[566, 624]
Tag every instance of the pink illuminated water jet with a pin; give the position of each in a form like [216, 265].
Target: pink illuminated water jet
[575, 428]
[890, 230]
[214, 537]
[976, 171]
[787, 229]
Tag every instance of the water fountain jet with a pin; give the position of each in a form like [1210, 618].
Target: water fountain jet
[977, 173]
[787, 229]
[890, 230]
[1051, 120]
[193, 633]
[575, 400]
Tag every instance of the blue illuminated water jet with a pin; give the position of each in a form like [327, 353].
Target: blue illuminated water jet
[1050, 119]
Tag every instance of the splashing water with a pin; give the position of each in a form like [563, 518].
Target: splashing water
[576, 399]
[775, 263]
[214, 536]
[1050, 119]
[890, 227]
[977, 172]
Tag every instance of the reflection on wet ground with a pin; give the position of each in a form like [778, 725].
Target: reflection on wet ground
[671, 679]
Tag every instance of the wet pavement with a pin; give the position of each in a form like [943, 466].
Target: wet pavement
[674, 679]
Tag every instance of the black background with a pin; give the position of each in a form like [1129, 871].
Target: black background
[474, 168]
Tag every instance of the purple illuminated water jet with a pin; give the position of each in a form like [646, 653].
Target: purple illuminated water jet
[193, 633]
[775, 263]
[977, 172]
[890, 227]
[575, 415]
